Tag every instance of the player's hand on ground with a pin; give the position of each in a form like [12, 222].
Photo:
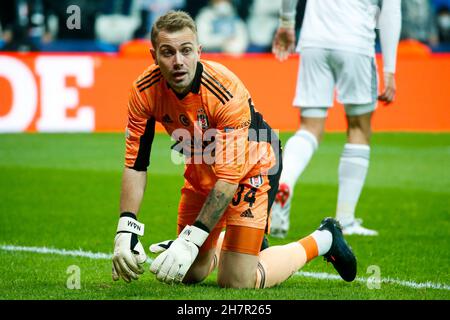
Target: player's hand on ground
[129, 254]
[283, 43]
[174, 262]
[388, 94]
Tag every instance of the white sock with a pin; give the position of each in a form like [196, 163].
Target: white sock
[297, 153]
[353, 168]
[323, 239]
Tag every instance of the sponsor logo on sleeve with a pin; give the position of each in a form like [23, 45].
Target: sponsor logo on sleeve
[167, 119]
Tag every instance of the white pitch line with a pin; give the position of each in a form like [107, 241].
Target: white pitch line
[410, 284]
[314, 275]
[61, 252]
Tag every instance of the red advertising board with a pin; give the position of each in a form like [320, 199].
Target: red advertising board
[89, 92]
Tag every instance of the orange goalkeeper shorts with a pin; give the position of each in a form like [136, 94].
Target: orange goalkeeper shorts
[248, 210]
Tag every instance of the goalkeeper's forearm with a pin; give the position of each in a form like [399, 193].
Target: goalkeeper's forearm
[217, 201]
[133, 187]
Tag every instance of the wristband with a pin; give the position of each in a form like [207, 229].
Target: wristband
[287, 24]
[129, 224]
[194, 235]
[200, 225]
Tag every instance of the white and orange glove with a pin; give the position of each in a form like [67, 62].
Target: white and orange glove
[177, 255]
[129, 254]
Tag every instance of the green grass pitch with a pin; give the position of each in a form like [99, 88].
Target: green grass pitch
[62, 191]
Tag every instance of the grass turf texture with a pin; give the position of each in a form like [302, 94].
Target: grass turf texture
[62, 191]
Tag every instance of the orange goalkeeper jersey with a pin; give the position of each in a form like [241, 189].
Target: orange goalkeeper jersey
[215, 126]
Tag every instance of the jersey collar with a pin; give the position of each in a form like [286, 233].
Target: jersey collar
[197, 78]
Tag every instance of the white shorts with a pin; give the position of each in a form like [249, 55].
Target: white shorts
[322, 70]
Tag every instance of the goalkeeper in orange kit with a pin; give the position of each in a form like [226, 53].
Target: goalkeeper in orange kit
[233, 163]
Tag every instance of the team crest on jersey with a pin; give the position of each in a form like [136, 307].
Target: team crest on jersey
[202, 119]
[184, 120]
[256, 181]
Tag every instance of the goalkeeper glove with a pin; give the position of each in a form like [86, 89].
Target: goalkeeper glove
[161, 246]
[129, 255]
[173, 264]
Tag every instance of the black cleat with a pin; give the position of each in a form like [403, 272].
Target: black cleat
[340, 253]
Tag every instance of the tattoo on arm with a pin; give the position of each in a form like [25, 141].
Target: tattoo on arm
[216, 203]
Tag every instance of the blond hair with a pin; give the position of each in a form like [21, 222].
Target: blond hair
[172, 21]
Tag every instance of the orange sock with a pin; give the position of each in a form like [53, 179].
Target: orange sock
[310, 246]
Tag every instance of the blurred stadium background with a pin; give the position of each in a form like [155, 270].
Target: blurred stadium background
[76, 60]
[236, 26]
[61, 190]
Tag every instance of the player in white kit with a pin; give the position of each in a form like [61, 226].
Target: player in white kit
[337, 47]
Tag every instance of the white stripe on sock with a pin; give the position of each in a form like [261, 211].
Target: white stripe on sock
[323, 239]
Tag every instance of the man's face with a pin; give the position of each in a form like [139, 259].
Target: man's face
[177, 54]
